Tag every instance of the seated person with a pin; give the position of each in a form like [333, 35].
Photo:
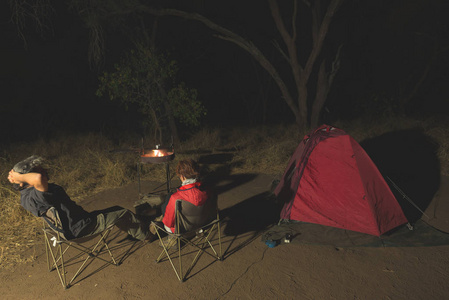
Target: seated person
[37, 196]
[191, 190]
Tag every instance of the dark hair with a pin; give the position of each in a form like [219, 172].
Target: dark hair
[28, 165]
[32, 164]
[188, 168]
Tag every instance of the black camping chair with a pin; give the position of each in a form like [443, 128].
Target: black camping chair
[55, 239]
[195, 226]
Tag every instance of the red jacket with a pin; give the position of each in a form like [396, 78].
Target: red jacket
[189, 192]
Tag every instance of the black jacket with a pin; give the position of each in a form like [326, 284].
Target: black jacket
[73, 217]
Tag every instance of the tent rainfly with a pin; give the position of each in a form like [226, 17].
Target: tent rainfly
[330, 180]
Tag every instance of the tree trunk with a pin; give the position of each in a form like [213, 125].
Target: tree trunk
[324, 83]
[157, 128]
[171, 118]
[320, 97]
[300, 74]
[172, 123]
[302, 104]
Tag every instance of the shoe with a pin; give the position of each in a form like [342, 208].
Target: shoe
[152, 227]
[158, 219]
[150, 237]
[167, 242]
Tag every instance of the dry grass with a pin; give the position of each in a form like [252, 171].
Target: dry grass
[265, 150]
[18, 227]
[84, 165]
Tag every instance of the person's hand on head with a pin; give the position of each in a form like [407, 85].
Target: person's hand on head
[12, 176]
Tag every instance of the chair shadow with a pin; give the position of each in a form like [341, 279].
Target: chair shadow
[194, 269]
[198, 267]
[409, 163]
[247, 220]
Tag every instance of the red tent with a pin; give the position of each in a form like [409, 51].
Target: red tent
[330, 180]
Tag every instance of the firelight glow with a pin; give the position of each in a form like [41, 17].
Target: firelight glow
[157, 153]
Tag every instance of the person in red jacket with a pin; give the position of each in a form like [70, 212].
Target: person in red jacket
[191, 190]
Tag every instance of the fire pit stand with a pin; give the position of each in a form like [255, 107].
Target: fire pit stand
[157, 155]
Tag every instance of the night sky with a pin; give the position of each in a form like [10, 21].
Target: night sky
[387, 47]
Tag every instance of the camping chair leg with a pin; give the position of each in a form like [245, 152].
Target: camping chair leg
[195, 259]
[220, 257]
[201, 249]
[47, 251]
[56, 245]
[201, 243]
[208, 241]
[92, 255]
[165, 250]
[61, 253]
[59, 269]
[103, 239]
[60, 256]
[180, 259]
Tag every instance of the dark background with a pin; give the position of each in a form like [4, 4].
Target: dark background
[48, 86]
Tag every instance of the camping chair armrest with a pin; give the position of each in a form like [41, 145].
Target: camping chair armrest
[158, 227]
[211, 223]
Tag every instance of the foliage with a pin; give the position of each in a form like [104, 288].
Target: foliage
[185, 106]
[148, 79]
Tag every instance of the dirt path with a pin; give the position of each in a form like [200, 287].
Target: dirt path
[250, 269]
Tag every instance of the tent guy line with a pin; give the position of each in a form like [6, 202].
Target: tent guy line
[404, 195]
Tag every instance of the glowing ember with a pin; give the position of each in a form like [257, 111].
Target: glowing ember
[159, 153]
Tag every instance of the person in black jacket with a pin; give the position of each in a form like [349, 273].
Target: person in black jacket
[37, 195]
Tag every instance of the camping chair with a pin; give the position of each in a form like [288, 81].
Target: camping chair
[194, 226]
[56, 245]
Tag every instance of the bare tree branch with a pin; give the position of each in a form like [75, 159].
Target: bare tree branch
[283, 54]
[230, 36]
[322, 32]
[316, 11]
[324, 83]
[296, 68]
[294, 16]
[39, 11]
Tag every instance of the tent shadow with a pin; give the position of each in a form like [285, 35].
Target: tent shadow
[408, 161]
[217, 158]
[248, 219]
[221, 179]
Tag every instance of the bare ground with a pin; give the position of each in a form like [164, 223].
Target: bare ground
[250, 270]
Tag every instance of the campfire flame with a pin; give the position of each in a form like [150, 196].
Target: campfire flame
[156, 153]
[159, 153]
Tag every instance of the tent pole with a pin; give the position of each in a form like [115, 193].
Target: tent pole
[406, 197]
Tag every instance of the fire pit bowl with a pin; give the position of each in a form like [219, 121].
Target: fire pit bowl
[157, 156]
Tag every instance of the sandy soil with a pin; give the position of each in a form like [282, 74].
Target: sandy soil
[250, 270]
